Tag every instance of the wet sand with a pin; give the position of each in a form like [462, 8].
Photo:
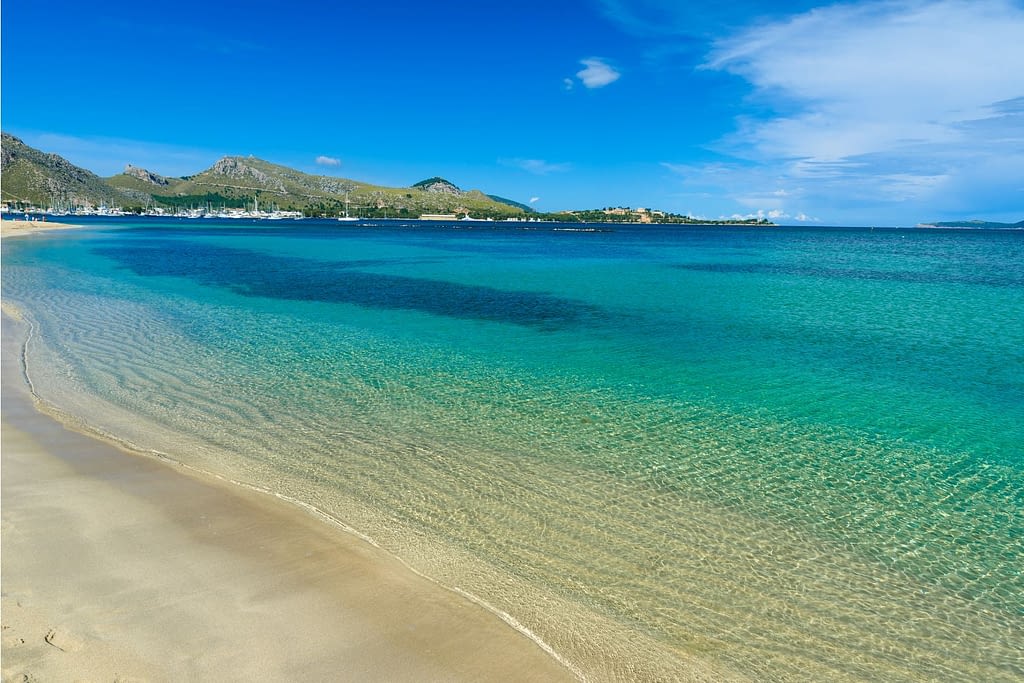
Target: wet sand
[117, 566]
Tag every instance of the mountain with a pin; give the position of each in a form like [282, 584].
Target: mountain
[34, 177]
[236, 181]
[42, 179]
[975, 224]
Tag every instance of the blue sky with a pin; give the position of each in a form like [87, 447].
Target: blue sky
[875, 112]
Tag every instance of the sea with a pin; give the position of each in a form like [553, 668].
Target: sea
[662, 452]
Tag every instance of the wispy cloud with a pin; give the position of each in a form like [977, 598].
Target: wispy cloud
[597, 73]
[536, 166]
[897, 106]
[200, 37]
[534, 200]
[871, 77]
[327, 161]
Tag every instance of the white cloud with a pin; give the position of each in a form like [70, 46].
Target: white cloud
[534, 200]
[872, 76]
[536, 166]
[774, 215]
[718, 182]
[328, 161]
[567, 83]
[597, 73]
[760, 215]
[901, 107]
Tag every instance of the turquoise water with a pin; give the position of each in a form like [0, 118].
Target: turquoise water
[776, 454]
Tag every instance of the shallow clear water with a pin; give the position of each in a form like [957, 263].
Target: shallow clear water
[668, 452]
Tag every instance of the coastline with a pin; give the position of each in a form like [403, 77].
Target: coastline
[16, 226]
[117, 565]
[569, 478]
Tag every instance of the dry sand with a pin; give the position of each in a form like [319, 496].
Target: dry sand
[120, 567]
[12, 228]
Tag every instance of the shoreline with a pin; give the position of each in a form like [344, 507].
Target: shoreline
[15, 227]
[120, 565]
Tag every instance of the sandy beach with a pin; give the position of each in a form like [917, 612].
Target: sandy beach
[12, 228]
[117, 566]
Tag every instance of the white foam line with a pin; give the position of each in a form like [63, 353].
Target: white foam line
[514, 623]
[48, 408]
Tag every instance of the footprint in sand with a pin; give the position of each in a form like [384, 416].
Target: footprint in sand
[62, 640]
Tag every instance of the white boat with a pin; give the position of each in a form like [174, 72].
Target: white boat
[346, 217]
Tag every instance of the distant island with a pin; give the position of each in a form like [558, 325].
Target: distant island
[247, 187]
[974, 224]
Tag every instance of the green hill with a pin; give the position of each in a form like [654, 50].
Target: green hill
[501, 200]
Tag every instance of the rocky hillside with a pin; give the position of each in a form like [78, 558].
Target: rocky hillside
[146, 176]
[47, 180]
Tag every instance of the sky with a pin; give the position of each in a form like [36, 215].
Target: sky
[871, 112]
